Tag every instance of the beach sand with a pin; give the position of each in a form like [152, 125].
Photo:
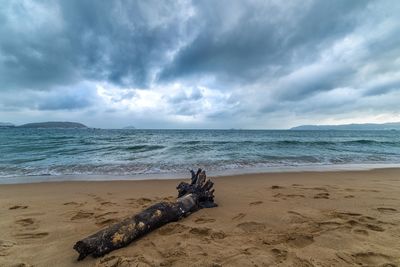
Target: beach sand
[348, 218]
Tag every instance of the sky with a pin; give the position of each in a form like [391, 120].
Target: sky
[200, 64]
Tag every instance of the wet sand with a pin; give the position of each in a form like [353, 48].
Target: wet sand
[347, 218]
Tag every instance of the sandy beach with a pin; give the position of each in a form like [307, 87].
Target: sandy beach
[347, 218]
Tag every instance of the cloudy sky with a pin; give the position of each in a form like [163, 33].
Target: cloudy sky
[200, 64]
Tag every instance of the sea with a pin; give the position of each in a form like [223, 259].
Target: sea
[37, 155]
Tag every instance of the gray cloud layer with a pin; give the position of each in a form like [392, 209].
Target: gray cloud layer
[46, 42]
[243, 41]
[238, 63]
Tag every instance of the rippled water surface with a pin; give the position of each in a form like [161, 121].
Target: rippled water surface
[38, 152]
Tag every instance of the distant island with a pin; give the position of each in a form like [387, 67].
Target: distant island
[6, 125]
[129, 128]
[54, 124]
[353, 126]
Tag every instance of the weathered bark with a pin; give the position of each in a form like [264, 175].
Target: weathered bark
[191, 197]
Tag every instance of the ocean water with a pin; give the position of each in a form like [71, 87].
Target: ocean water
[31, 154]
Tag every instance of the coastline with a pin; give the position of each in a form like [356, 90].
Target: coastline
[335, 218]
[184, 175]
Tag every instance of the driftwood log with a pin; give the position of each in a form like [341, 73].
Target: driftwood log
[191, 197]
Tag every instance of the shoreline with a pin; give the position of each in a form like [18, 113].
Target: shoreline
[181, 175]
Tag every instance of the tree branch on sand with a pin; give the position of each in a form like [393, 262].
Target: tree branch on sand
[192, 196]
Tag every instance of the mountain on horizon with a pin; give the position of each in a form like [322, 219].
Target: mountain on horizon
[129, 128]
[6, 125]
[54, 124]
[352, 126]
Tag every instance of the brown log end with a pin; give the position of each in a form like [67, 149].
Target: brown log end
[82, 249]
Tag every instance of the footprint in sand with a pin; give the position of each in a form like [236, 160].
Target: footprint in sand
[99, 199]
[28, 223]
[206, 232]
[330, 225]
[360, 231]
[132, 201]
[360, 221]
[123, 261]
[33, 235]
[319, 189]
[250, 227]
[5, 246]
[107, 203]
[297, 261]
[283, 196]
[104, 220]
[238, 216]
[173, 253]
[76, 204]
[279, 254]
[25, 222]
[277, 187]
[34, 214]
[200, 231]
[173, 228]
[349, 196]
[299, 240]
[315, 188]
[347, 258]
[370, 190]
[298, 214]
[345, 215]
[144, 201]
[294, 195]
[296, 217]
[255, 203]
[18, 207]
[353, 223]
[322, 195]
[204, 220]
[387, 210]
[373, 259]
[375, 227]
[70, 203]
[82, 215]
[218, 235]
[105, 214]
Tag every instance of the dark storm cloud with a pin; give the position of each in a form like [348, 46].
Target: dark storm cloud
[244, 60]
[263, 38]
[47, 43]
